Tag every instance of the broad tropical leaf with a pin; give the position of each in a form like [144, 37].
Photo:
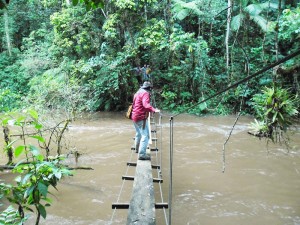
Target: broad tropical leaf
[237, 21]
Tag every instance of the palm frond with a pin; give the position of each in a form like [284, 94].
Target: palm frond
[182, 14]
[193, 7]
[253, 9]
[261, 22]
[237, 21]
[268, 5]
[183, 9]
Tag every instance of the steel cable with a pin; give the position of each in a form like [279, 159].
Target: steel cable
[121, 189]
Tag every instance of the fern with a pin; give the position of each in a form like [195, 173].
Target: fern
[10, 216]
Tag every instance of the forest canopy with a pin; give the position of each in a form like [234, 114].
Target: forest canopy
[85, 55]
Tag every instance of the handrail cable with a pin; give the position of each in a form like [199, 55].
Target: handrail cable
[266, 68]
[171, 170]
[159, 162]
[206, 99]
[159, 173]
[239, 113]
[121, 189]
[247, 78]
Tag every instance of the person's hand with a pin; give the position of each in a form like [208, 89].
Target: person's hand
[157, 110]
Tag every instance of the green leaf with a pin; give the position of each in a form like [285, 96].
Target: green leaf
[18, 179]
[237, 21]
[41, 139]
[25, 179]
[5, 121]
[58, 174]
[34, 150]
[28, 191]
[20, 119]
[75, 2]
[48, 200]
[40, 157]
[274, 119]
[38, 126]
[19, 150]
[43, 189]
[33, 114]
[42, 211]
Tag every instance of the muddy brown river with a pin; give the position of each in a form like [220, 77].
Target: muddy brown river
[260, 186]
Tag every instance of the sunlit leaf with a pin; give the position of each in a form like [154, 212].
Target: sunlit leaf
[34, 150]
[41, 139]
[58, 174]
[26, 177]
[28, 191]
[19, 150]
[33, 114]
[20, 119]
[39, 157]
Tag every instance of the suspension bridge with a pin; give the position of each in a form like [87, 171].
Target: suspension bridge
[143, 205]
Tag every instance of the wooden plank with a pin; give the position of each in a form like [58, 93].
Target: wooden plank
[127, 177]
[120, 206]
[142, 204]
[155, 166]
[126, 205]
[131, 163]
[134, 164]
[156, 180]
[161, 205]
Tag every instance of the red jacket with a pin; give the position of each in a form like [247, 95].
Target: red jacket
[141, 105]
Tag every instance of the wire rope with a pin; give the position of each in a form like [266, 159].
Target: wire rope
[159, 160]
[121, 189]
[266, 68]
[159, 171]
[247, 78]
[171, 169]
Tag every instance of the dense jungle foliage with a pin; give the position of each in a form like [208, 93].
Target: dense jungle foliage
[86, 55]
[83, 55]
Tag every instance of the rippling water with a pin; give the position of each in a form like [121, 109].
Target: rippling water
[260, 185]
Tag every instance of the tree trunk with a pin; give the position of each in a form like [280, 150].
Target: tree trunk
[229, 10]
[8, 149]
[277, 30]
[265, 35]
[6, 27]
[169, 21]
[145, 8]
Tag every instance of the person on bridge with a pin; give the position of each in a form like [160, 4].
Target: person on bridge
[140, 112]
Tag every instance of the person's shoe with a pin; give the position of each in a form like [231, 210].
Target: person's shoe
[144, 157]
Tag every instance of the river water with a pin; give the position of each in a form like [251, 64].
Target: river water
[261, 183]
